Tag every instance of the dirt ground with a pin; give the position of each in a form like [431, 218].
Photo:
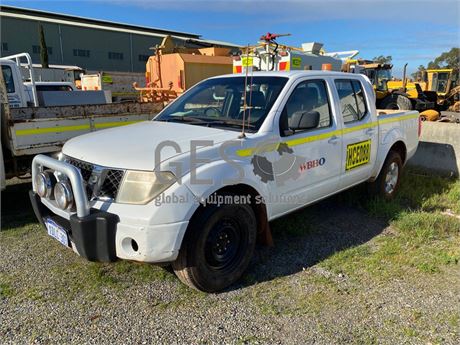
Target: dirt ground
[346, 270]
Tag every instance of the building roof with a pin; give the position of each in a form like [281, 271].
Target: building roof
[25, 13]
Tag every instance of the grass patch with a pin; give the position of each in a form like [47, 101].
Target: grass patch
[6, 290]
[421, 238]
[143, 272]
[305, 297]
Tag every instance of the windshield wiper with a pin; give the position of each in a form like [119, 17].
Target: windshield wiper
[232, 123]
[182, 119]
[206, 122]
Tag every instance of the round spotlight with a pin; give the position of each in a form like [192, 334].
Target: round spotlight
[63, 195]
[44, 183]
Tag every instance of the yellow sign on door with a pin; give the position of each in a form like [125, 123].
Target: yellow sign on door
[358, 154]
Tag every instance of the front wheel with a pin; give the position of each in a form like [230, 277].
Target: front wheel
[217, 247]
[387, 183]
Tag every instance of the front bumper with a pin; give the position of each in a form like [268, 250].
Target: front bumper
[100, 236]
[93, 235]
[107, 231]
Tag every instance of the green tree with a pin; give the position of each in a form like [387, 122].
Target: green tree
[418, 73]
[450, 59]
[383, 59]
[43, 48]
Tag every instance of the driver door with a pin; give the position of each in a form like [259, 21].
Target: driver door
[313, 156]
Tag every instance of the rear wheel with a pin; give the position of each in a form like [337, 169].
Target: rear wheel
[397, 102]
[387, 183]
[217, 248]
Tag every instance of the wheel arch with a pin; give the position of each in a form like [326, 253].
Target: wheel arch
[397, 146]
[400, 148]
[257, 204]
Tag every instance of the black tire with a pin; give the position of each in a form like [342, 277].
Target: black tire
[396, 102]
[381, 186]
[217, 247]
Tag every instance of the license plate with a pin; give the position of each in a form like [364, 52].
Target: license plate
[57, 232]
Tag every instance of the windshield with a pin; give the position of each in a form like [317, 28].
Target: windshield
[220, 102]
[383, 76]
[379, 78]
[443, 78]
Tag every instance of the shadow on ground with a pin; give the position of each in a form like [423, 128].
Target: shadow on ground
[16, 209]
[309, 236]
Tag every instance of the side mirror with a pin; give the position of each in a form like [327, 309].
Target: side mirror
[303, 120]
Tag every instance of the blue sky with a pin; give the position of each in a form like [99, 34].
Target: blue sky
[413, 31]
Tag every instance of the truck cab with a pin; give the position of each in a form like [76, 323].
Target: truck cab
[16, 92]
[197, 186]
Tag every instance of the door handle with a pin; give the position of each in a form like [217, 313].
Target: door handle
[333, 140]
[370, 131]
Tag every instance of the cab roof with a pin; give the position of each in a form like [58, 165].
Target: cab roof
[291, 74]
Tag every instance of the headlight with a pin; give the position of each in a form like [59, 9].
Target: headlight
[140, 187]
[63, 195]
[44, 183]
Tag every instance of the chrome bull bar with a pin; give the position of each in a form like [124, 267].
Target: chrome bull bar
[72, 173]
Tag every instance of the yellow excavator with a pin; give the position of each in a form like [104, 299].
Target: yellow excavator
[388, 96]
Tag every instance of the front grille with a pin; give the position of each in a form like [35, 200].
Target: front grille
[86, 169]
[112, 181]
[105, 182]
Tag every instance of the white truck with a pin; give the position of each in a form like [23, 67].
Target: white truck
[197, 186]
[38, 117]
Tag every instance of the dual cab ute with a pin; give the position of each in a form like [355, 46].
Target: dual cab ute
[196, 186]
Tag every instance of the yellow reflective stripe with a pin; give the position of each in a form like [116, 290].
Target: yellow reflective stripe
[358, 128]
[114, 124]
[399, 118]
[300, 141]
[33, 131]
[244, 152]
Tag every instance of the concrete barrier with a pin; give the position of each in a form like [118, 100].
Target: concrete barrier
[439, 149]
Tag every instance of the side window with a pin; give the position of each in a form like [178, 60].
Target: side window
[8, 77]
[352, 100]
[308, 96]
[360, 99]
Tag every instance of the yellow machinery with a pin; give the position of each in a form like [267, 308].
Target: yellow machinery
[440, 84]
[388, 97]
[378, 73]
[393, 94]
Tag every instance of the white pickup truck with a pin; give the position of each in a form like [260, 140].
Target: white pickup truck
[194, 189]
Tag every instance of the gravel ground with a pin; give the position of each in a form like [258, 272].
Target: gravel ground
[51, 296]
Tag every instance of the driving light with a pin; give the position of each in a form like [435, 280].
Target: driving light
[44, 183]
[63, 195]
[140, 187]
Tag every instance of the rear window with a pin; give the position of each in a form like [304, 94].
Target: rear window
[352, 100]
[53, 88]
